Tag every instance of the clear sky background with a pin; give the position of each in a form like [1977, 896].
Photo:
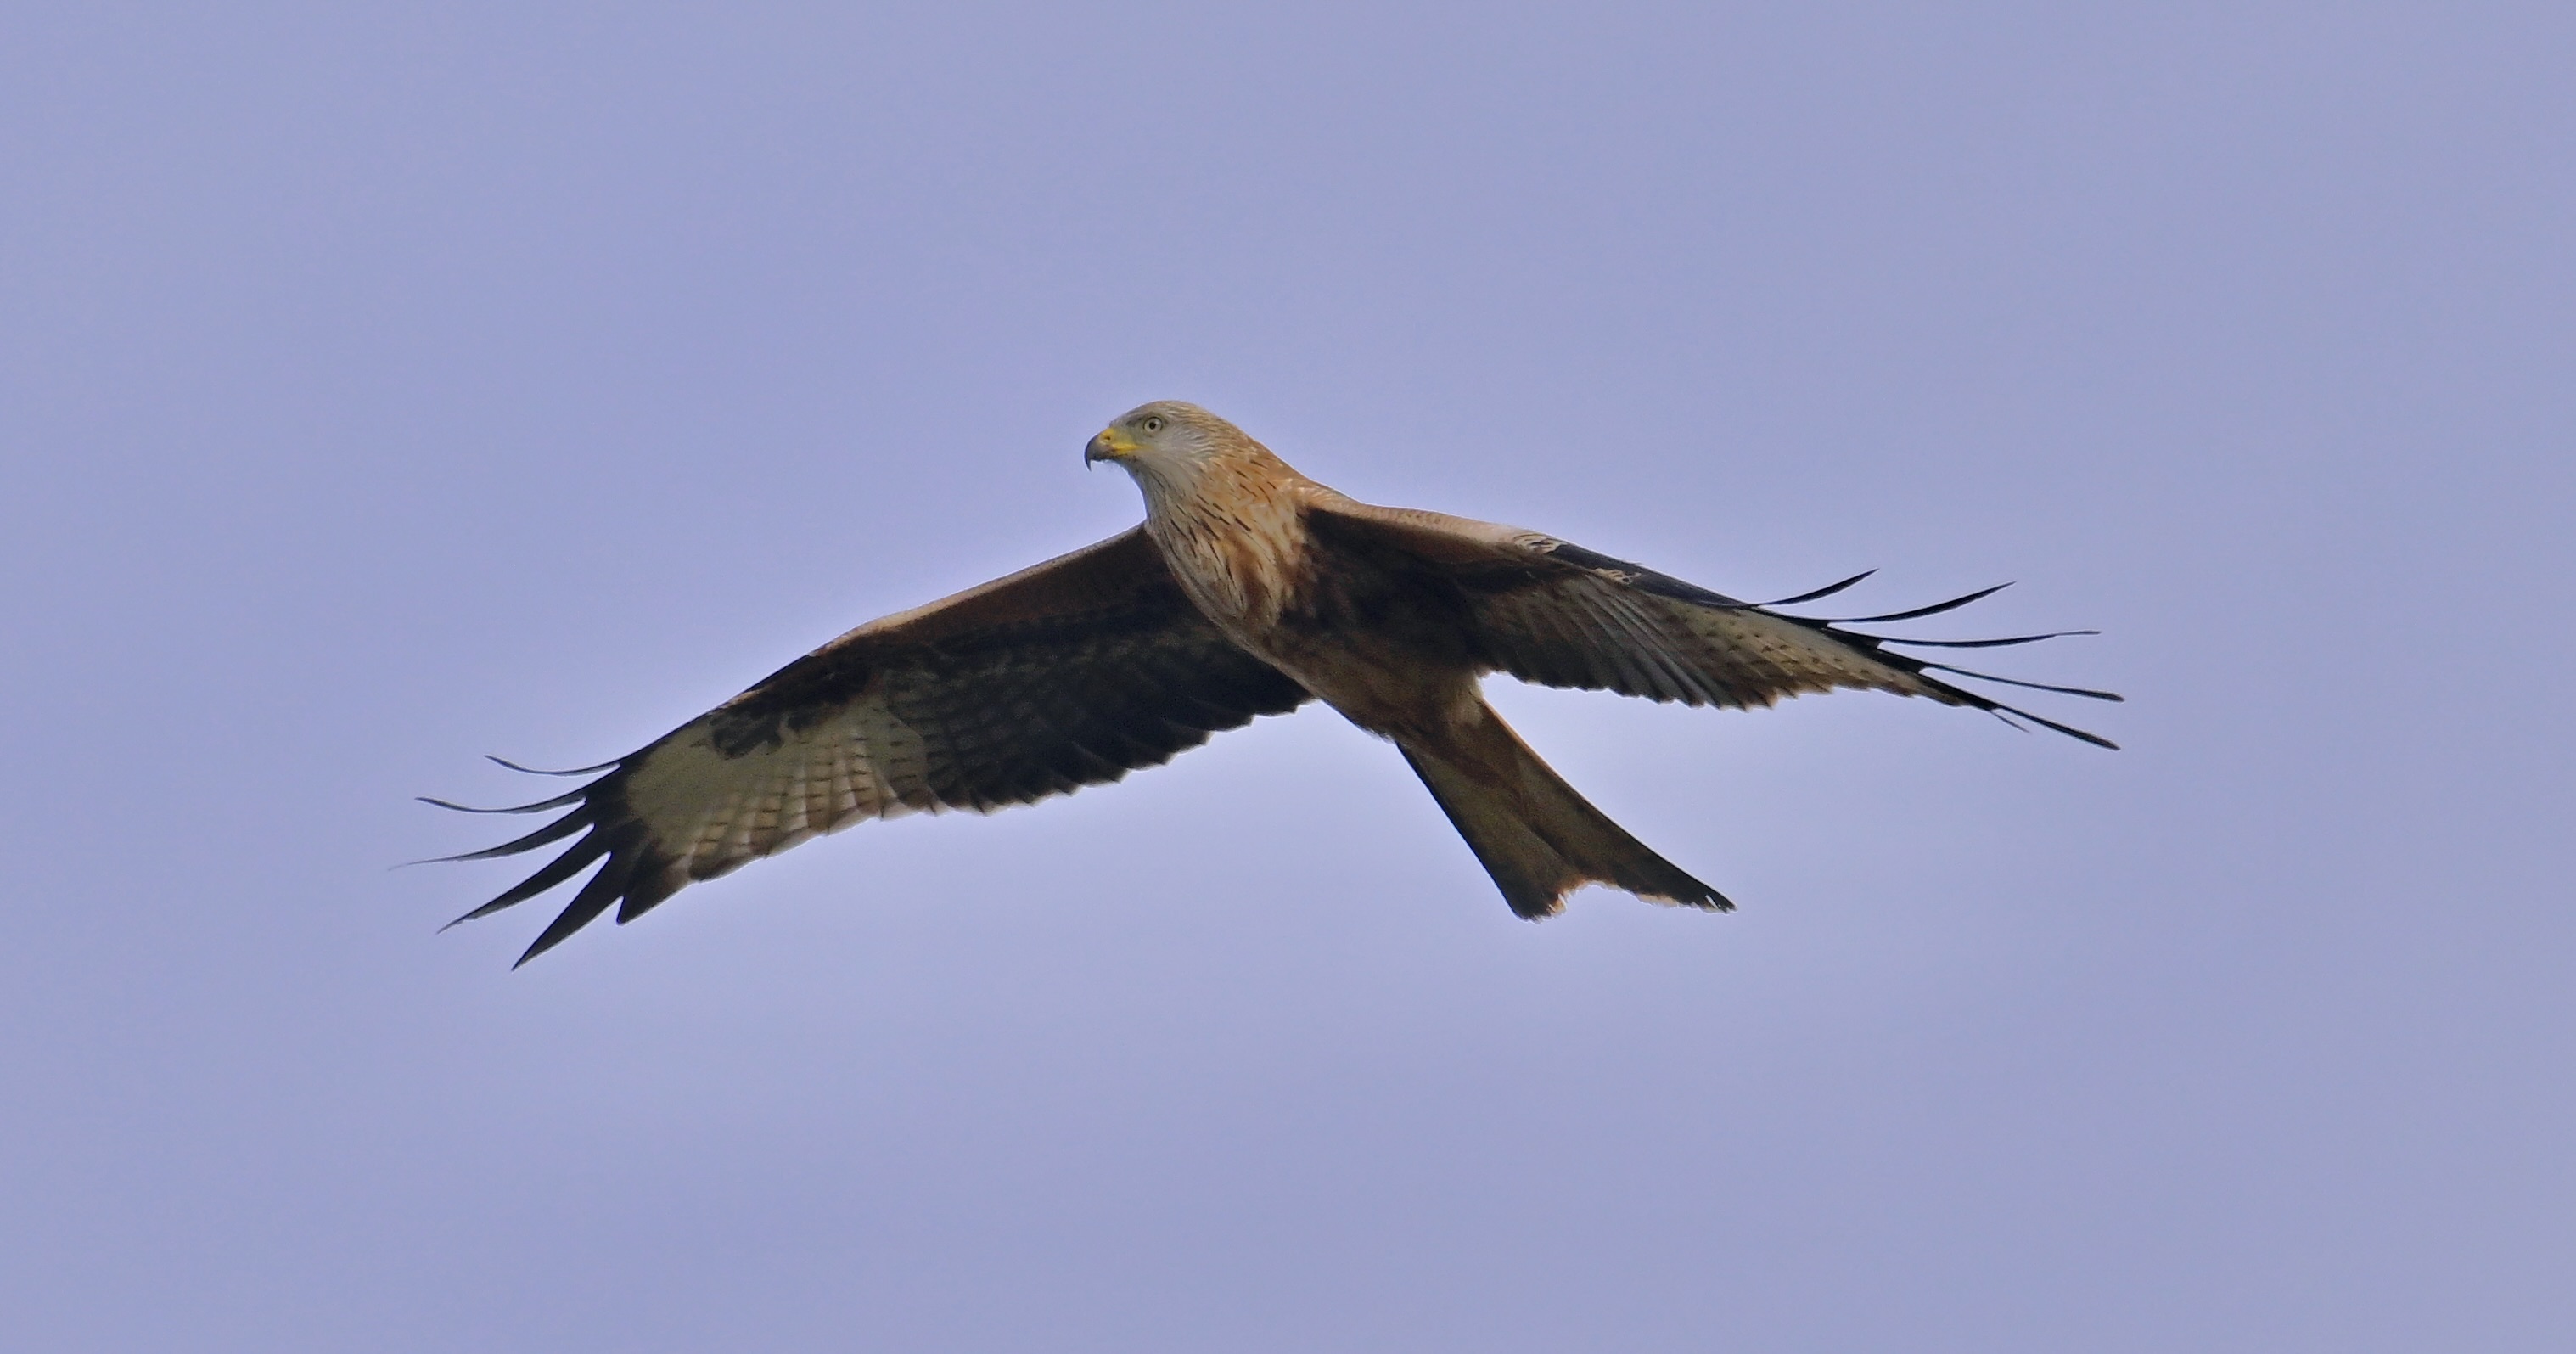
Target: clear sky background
[379, 389]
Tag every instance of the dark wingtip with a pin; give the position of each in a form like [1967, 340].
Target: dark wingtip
[555, 934]
[1919, 612]
[540, 806]
[1826, 591]
[555, 831]
[1977, 643]
[2009, 714]
[538, 771]
[2086, 692]
[595, 897]
[574, 860]
[543, 943]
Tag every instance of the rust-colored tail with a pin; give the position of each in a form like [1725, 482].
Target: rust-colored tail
[1536, 836]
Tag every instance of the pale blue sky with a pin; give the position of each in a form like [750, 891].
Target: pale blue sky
[381, 389]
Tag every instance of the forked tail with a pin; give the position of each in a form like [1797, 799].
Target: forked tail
[1538, 838]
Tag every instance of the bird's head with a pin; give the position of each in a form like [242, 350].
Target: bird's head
[1162, 438]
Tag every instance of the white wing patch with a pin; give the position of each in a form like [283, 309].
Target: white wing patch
[711, 814]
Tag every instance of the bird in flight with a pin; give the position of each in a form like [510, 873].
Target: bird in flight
[1248, 590]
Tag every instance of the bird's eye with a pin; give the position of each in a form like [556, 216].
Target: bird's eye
[1153, 425]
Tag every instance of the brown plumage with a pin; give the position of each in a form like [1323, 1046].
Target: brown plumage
[1248, 590]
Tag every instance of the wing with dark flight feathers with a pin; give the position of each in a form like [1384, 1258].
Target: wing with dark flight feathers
[1560, 615]
[1071, 673]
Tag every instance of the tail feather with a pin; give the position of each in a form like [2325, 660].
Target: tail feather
[1532, 832]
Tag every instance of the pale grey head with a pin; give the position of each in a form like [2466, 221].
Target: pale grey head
[1163, 436]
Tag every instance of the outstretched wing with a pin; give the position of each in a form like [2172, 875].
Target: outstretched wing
[1560, 615]
[1067, 674]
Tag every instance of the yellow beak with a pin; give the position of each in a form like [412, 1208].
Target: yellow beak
[1108, 446]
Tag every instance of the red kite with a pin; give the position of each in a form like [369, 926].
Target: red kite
[1248, 590]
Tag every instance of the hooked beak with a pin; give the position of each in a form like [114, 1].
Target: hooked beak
[1110, 445]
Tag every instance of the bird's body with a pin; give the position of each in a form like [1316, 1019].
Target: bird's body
[1247, 590]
